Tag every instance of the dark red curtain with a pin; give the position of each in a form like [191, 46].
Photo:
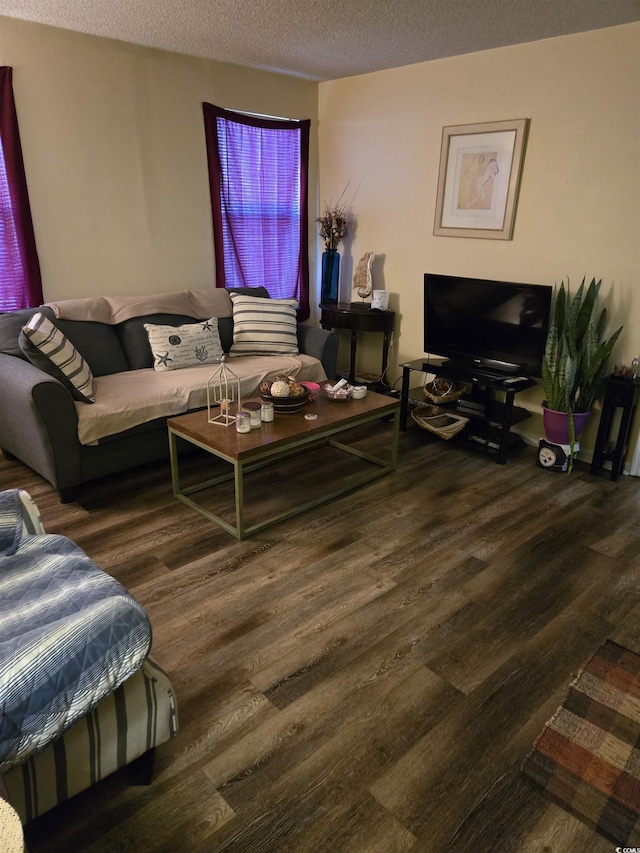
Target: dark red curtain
[258, 176]
[20, 281]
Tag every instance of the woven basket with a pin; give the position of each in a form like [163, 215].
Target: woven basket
[422, 414]
[445, 390]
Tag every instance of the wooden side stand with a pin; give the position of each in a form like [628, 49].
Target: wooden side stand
[620, 396]
[360, 318]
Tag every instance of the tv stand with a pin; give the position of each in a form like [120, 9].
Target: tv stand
[488, 366]
[490, 430]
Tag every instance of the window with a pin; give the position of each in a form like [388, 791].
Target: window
[258, 178]
[20, 282]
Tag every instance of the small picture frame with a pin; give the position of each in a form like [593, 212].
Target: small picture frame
[479, 179]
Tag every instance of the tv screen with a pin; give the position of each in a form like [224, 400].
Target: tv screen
[498, 325]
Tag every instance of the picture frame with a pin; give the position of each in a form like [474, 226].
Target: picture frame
[479, 179]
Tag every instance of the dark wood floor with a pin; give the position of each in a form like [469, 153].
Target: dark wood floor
[366, 677]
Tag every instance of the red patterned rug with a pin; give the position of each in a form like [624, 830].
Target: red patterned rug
[587, 758]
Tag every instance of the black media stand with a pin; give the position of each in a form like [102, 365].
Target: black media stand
[491, 428]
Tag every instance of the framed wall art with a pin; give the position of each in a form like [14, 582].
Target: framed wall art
[479, 179]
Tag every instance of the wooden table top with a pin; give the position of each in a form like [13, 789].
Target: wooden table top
[285, 428]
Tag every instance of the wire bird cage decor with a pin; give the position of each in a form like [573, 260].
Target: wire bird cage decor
[223, 389]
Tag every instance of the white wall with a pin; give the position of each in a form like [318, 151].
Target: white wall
[114, 149]
[579, 208]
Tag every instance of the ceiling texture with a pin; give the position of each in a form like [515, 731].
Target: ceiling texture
[326, 39]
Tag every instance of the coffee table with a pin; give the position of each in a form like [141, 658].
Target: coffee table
[287, 435]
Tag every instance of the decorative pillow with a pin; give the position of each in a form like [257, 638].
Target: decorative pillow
[264, 326]
[135, 340]
[45, 346]
[174, 347]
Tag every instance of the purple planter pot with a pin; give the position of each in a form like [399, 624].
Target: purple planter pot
[556, 424]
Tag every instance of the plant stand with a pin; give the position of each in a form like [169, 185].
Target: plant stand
[620, 396]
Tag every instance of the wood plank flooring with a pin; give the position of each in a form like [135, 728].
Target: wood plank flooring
[369, 676]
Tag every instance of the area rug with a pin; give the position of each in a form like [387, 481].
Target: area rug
[587, 758]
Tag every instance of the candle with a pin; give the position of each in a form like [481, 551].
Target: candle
[253, 408]
[243, 422]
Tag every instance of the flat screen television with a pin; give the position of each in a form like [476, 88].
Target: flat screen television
[500, 326]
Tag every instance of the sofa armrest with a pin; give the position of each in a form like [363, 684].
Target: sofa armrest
[320, 343]
[39, 422]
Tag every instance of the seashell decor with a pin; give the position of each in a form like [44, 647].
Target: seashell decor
[362, 276]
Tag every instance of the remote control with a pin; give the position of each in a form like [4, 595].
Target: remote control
[339, 385]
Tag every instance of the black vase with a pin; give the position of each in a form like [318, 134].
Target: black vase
[330, 275]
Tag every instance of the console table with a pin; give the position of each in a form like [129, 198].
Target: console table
[358, 317]
[494, 430]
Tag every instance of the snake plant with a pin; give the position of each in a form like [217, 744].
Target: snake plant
[576, 352]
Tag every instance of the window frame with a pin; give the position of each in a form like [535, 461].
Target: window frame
[220, 183]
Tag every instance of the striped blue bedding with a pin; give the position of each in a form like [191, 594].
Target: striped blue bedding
[69, 635]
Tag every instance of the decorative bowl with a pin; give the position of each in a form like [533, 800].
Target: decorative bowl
[341, 394]
[287, 404]
[312, 388]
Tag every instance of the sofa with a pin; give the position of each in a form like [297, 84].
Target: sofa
[80, 695]
[70, 438]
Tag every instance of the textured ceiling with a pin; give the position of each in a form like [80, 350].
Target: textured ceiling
[326, 39]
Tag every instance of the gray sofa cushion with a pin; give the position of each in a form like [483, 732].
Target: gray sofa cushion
[111, 349]
[135, 341]
[225, 327]
[98, 344]
[10, 327]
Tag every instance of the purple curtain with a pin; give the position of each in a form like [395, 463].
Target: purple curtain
[258, 176]
[20, 281]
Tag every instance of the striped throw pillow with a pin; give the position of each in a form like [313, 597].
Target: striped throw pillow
[54, 353]
[264, 326]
